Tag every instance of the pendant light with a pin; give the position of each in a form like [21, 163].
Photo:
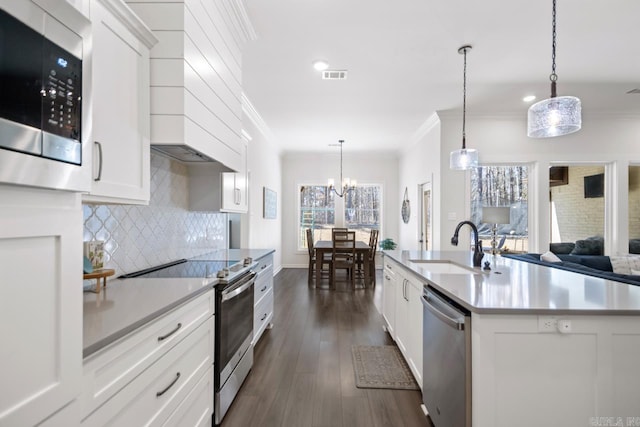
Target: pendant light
[347, 184]
[466, 158]
[558, 115]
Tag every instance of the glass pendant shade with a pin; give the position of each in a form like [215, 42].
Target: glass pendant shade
[555, 116]
[466, 158]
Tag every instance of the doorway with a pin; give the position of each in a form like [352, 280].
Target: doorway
[426, 220]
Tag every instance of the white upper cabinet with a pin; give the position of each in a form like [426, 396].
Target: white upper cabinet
[196, 76]
[120, 100]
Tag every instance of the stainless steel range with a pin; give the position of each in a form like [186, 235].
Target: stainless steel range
[233, 356]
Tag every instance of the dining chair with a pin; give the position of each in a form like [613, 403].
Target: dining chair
[343, 255]
[371, 256]
[312, 257]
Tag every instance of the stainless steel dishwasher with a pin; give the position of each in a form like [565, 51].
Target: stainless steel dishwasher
[446, 358]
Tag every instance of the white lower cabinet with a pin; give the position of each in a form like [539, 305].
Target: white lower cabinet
[263, 297]
[40, 304]
[131, 384]
[402, 310]
[390, 284]
[196, 409]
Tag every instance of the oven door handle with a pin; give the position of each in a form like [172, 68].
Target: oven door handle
[227, 295]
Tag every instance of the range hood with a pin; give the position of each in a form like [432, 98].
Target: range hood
[182, 153]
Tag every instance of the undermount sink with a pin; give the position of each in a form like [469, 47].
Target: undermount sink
[443, 267]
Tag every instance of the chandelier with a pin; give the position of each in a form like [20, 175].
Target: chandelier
[465, 158]
[347, 184]
[557, 115]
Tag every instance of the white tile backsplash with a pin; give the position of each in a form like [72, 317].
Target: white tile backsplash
[138, 237]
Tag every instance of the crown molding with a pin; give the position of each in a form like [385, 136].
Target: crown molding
[432, 121]
[239, 15]
[129, 19]
[250, 111]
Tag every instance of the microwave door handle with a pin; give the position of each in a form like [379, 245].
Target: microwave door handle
[454, 323]
[99, 145]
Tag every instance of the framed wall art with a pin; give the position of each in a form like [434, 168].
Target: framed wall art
[269, 203]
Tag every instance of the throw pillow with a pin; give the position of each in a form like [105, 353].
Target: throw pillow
[549, 257]
[562, 248]
[624, 264]
[588, 247]
[634, 262]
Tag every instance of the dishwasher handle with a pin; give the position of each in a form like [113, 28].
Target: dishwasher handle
[430, 302]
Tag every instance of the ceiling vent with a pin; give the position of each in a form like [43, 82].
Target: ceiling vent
[334, 75]
[636, 91]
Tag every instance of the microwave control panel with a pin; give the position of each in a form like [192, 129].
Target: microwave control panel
[61, 93]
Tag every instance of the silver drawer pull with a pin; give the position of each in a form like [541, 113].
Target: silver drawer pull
[263, 289]
[263, 317]
[161, 392]
[263, 267]
[164, 337]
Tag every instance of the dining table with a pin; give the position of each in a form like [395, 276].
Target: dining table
[323, 247]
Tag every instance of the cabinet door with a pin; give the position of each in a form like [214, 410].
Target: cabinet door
[234, 192]
[414, 333]
[402, 315]
[389, 300]
[120, 98]
[40, 303]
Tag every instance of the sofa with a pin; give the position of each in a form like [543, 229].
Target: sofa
[591, 265]
[589, 246]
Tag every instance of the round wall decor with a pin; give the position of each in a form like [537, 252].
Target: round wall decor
[406, 208]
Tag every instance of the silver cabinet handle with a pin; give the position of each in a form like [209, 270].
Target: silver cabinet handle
[238, 196]
[99, 177]
[263, 317]
[164, 337]
[387, 277]
[263, 267]
[166, 389]
[264, 288]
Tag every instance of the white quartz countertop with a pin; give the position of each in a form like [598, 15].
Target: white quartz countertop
[513, 286]
[126, 304]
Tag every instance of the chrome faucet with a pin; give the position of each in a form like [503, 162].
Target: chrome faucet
[477, 252]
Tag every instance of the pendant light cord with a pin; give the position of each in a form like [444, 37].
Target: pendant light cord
[464, 99]
[553, 77]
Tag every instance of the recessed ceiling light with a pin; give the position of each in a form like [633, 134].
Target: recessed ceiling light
[320, 65]
[529, 98]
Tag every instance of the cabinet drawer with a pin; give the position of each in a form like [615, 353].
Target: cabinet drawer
[158, 391]
[264, 283]
[112, 368]
[197, 408]
[264, 263]
[262, 315]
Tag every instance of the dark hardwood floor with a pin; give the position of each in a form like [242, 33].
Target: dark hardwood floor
[302, 373]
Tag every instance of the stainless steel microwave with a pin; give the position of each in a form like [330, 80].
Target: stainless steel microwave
[40, 109]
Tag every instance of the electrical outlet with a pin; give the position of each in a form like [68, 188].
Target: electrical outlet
[547, 324]
[564, 326]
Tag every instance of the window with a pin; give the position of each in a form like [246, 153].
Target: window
[502, 186]
[319, 208]
[317, 211]
[362, 210]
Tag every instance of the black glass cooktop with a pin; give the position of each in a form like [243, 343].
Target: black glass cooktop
[185, 268]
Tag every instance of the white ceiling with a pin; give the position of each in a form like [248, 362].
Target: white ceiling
[403, 63]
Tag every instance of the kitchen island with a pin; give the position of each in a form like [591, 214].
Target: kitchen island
[547, 347]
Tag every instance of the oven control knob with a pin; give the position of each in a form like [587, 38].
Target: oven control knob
[220, 274]
[248, 260]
